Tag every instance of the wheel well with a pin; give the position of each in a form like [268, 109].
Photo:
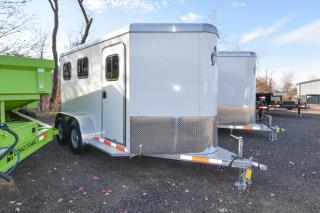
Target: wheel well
[67, 118]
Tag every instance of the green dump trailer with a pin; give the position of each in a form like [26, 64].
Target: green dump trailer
[22, 82]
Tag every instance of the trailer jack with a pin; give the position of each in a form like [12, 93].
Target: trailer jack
[245, 174]
[273, 135]
[244, 180]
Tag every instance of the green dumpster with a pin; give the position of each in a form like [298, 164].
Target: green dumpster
[22, 82]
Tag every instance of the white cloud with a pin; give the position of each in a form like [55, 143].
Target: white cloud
[237, 4]
[95, 4]
[164, 3]
[181, 1]
[265, 31]
[307, 34]
[100, 5]
[190, 17]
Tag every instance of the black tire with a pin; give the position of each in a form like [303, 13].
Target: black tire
[63, 131]
[75, 139]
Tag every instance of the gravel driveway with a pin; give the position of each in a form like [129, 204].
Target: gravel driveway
[55, 180]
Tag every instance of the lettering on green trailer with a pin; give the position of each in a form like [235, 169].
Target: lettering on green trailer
[22, 149]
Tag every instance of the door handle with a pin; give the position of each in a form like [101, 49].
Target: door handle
[104, 94]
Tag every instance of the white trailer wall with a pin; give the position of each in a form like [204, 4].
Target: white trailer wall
[172, 100]
[236, 87]
[83, 96]
[172, 78]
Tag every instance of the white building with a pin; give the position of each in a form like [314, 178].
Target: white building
[309, 91]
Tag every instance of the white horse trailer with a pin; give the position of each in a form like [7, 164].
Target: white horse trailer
[146, 89]
[237, 93]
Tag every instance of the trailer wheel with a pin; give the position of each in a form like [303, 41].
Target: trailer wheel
[61, 126]
[75, 139]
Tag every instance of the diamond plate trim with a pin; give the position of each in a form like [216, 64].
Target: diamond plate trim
[170, 135]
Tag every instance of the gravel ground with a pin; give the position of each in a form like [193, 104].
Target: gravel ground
[55, 180]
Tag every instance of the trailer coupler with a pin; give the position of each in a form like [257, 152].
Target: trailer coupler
[7, 151]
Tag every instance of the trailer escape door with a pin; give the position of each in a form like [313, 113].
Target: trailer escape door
[113, 93]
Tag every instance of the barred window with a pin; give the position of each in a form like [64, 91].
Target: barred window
[112, 67]
[83, 68]
[67, 71]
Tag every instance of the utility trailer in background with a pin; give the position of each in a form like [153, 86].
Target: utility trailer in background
[22, 82]
[269, 101]
[147, 89]
[237, 93]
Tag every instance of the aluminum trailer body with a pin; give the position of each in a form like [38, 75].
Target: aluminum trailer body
[146, 89]
[236, 87]
[237, 93]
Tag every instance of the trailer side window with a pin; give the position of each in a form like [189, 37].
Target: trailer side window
[83, 68]
[112, 67]
[67, 71]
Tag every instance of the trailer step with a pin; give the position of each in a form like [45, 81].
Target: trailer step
[107, 149]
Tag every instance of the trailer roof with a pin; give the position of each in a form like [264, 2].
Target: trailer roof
[150, 28]
[305, 82]
[237, 54]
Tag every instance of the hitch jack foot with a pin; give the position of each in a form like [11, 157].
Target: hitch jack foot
[244, 180]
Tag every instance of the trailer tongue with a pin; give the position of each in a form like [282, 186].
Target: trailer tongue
[22, 82]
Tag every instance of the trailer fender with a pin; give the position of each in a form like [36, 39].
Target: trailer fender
[84, 121]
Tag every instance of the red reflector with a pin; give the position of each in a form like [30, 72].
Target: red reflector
[45, 135]
[107, 142]
[121, 148]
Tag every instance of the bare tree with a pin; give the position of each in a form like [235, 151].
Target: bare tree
[213, 19]
[40, 50]
[79, 35]
[288, 84]
[55, 8]
[88, 22]
[13, 24]
[74, 35]
[236, 45]
[265, 82]
[41, 44]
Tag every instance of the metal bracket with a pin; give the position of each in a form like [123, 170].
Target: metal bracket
[273, 135]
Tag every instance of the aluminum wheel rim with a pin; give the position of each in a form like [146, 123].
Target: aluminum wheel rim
[74, 138]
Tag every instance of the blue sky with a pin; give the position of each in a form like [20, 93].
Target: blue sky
[284, 33]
